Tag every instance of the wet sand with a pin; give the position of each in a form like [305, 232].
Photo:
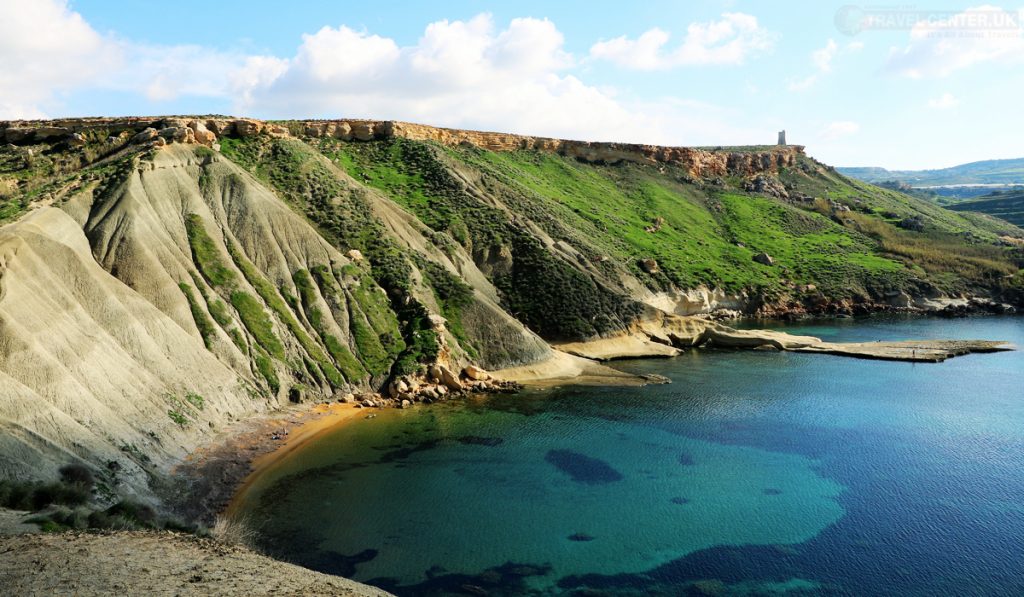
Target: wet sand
[209, 480]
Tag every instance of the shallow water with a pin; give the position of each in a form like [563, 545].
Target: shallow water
[752, 473]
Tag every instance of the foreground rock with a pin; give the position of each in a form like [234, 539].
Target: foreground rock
[151, 563]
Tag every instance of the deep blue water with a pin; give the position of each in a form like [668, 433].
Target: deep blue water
[753, 473]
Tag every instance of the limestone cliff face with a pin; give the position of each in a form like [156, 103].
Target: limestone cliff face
[700, 163]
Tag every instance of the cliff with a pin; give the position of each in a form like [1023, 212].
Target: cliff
[163, 277]
[698, 162]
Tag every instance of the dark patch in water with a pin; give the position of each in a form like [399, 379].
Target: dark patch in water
[505, 580]
[407, 451]
[583, 468]
[771, 491]
[680, 500]
[476, 440]
[686, 460]
[580, 537]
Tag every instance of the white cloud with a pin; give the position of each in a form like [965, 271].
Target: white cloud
[728, 41]
[977, 35]
[839, 128]
[943, 102]
[472, 74]
[468, 74]
[47, 49]
[822, 58]
[802, 84]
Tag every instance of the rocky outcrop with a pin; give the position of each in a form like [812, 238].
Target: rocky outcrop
[698, 162]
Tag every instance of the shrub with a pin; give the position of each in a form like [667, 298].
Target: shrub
[234, 531]
[138, 513]
[195, 400]
[77, 473]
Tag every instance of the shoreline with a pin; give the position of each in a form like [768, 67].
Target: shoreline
[265, 454]
[218, 475]
[205, 484]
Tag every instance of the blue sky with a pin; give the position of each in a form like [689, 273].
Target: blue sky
[871, 84]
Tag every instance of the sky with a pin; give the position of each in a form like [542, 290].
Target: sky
[891, 85]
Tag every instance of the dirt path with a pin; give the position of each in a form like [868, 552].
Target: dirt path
[153, 563]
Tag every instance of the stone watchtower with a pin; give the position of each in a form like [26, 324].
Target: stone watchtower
[782, 137]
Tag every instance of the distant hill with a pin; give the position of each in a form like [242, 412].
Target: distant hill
[1008, 205]
[995, 172]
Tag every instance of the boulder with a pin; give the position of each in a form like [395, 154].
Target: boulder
[764, 259]
[406, 404]
[144, 136]
[355, 255]
[650, 266]
[476, 373]
[434, 373]
[76, 140]
[449, 378]
[177, 134]
[202, 135]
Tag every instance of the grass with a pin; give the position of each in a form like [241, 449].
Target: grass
[203, 323]
[206, 253]
[270, 295]
[256, 320]
[178, 417]
[452, 295]
[308, 291]
[266, 369]
[195, 400]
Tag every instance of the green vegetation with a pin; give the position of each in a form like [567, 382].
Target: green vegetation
[256, 320]
[206, 254]
[179, 419]
[343, 216]
[273, 299]
[453, 295]
[1006, 205]
[984, 172]
[350, 367]
[266, 368]
[206, 329]
[551, 296]
[195, 400]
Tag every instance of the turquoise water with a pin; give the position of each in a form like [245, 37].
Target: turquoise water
[752, 473]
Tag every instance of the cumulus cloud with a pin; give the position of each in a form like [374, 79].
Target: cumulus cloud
[943, 102]
[975, 36]
[728, 41]
[838, 129]
[462, 73]
[822, 59]
[471, 74]
[46, 49]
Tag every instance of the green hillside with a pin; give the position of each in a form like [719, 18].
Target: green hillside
[1008, 205]
[995, 172]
